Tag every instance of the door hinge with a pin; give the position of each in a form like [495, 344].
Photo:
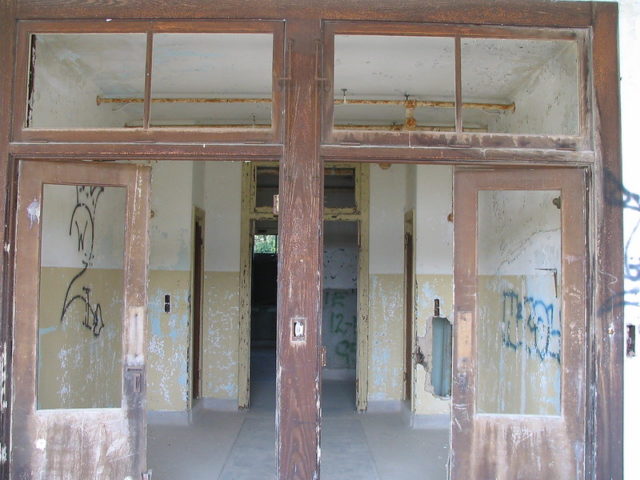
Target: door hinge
[276, 205]
[146, 475]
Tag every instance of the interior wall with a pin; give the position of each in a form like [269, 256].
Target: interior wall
[434, 272]
[386, 280]
[519, 291]
[64, 94]
[81, 297]
[339, 312]
[170, 274]
[547, 101]
[221, 301]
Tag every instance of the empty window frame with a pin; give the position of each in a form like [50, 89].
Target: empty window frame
[455, 86]
[182, 77]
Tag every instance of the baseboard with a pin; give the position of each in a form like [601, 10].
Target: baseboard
[439, 421]
[218, 404]
[164, 417]
[384, 406]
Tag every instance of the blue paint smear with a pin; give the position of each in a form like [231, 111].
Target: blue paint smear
[44, 331]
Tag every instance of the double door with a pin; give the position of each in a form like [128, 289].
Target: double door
[519, 383]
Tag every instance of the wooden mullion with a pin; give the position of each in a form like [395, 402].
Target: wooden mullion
[148, 69]
[300, 225]
[458, 84]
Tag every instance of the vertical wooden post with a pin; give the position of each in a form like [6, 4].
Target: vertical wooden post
[300, 263]
[607, 351]
[7, 49]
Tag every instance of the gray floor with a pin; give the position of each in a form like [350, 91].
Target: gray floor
[241, 445]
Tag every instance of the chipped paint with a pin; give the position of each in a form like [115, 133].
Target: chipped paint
[221, 318]
[33, 213]
[386, 337]
[168, 381]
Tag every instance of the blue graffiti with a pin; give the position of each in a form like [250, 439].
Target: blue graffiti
[532, 319]
[616, 194]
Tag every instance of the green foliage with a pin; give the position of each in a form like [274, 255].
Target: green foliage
[265, 244]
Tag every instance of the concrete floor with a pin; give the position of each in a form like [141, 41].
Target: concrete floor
[240, 445]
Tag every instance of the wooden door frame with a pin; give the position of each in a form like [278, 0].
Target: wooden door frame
[197, 217]
[301, 156]
[409, 310]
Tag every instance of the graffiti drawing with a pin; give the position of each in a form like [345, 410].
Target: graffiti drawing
[529, 323]
[82, 227]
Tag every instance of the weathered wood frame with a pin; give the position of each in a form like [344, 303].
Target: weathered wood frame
[301, 154]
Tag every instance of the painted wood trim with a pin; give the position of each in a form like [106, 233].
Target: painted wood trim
[409, 228]
[246, 244]
[362, 361]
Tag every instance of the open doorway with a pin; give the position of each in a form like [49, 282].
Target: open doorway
[264, 297]
[340, 315]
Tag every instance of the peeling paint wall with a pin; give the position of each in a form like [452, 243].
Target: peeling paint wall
[434, 272]
[220, 335]
[340, 309]
[65, 88]
[547, 101]
[81, 297]
[168, 381]
[386, 280]
[519, 333]
[221, 304]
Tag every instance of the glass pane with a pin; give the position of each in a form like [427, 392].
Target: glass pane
[213, 79]
[339, 187]
[523, 86]
[75, 78]
[519, 330]
[397, 83]
[81, 297]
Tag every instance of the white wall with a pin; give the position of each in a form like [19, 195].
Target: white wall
[386, 219]
[222, 198]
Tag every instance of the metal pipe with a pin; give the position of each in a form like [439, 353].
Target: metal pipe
[392, 128]
[409, 103]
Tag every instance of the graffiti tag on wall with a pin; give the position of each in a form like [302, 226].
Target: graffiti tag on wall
[340, 328]
[530, 324]
[82, 229]
[617, 194]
